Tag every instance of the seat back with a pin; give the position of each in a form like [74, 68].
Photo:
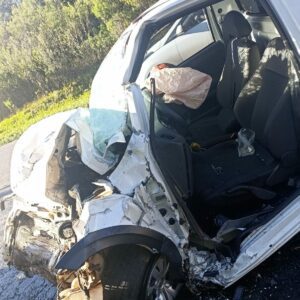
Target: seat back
[242, 58]
[166, 116]
[265, 104]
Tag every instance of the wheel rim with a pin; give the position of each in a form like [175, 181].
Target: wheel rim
[158, 288]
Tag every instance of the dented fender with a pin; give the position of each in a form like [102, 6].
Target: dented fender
[122, 235]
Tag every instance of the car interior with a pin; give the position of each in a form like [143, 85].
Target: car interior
[255, 88]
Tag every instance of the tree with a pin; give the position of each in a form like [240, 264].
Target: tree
[48, 43]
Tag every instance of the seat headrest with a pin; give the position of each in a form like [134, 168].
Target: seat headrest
[235, 26]
[276, 50]
[275, 47]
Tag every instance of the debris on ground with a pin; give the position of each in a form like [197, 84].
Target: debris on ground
[276, 278]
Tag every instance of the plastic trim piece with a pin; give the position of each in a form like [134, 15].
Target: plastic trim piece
[122, 235]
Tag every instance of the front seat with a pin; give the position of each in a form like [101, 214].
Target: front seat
[265, 105]
[242, 60]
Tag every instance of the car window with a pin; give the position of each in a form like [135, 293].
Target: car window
[159, 34]
[193, 21]
[252, 7]
[177, 41]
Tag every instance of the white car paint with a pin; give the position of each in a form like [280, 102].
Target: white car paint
[140, 208]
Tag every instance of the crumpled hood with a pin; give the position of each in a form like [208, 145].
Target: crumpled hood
[42, 141]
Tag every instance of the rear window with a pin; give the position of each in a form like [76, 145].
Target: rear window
[252, 7]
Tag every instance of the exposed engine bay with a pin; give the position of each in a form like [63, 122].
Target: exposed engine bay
[78, 200]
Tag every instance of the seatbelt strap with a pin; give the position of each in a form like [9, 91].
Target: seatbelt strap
[235, 63]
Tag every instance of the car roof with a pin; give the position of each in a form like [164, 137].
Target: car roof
[166, 8]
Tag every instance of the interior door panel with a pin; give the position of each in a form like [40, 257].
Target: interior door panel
[177, 164]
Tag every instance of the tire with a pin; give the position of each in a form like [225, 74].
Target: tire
[129, 273]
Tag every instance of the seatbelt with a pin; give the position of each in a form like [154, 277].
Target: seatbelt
[235, 63]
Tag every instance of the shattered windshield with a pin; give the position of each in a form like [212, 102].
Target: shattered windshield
[108, 105]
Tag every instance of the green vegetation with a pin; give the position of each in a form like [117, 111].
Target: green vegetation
[45, 44]
[50, 50]
[64, 99]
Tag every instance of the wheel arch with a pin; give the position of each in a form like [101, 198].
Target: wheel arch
[122, 235]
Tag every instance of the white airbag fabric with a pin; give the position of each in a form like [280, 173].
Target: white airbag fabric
[181, 85]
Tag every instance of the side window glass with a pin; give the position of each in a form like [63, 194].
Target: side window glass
[175, 42]
[193, 23]
[159, 35]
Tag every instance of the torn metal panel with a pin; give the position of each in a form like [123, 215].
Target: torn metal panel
[9, 233]
[39, 157]
[35, 254]
[148, 208]
[159, 215]
[264, 241]
[161, 186]
[56, 213]
[103, 188]
[30, 158]
[204, 267]
[31, 244]
[102, 213]
[133, 169]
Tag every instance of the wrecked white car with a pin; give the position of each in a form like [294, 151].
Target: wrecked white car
[135, 196]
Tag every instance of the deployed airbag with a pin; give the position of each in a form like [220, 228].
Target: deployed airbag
[181, 85]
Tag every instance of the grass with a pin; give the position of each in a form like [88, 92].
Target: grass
[67, 98]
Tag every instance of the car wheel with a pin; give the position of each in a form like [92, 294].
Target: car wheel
[133, 272]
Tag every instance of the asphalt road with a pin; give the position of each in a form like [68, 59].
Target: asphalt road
[15, 285]
[5, 155]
